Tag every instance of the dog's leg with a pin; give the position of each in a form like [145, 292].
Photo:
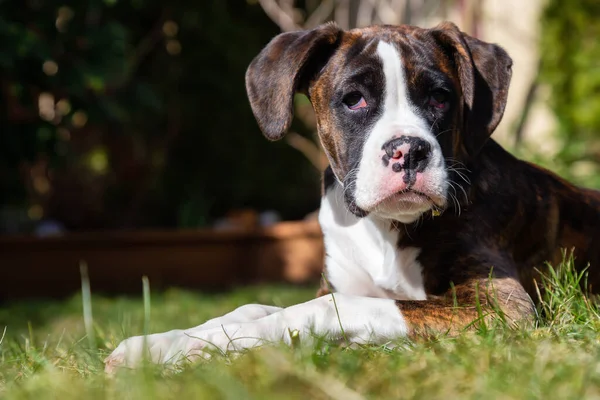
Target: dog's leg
[373, 320]
[467, 305]
[362, 320]
[129, 351]
[337, 317]
[245, 313]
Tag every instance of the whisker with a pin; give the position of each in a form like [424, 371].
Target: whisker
[454, 160]
[454, 198]
[461, 175]
[464, 192]
[444, 131]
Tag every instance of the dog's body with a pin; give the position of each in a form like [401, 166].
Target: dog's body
[427, 222]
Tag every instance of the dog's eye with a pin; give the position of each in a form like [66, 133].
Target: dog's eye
[355, 101]
[439, 99]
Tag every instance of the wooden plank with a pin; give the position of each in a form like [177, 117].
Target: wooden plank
[203, 259]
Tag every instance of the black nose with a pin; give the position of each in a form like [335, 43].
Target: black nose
[417, 157]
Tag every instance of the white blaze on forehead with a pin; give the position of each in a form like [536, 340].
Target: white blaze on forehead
[399, 116]
[397, 103]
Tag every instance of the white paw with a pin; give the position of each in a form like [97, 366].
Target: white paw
[161, 348]
[175, 346]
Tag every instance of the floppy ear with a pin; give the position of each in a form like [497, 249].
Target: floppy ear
[286, 66]
[484, 71]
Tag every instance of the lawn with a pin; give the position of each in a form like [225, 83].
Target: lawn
[45, 353]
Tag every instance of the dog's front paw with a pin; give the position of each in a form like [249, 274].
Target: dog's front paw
[176, 346]
[161, 348]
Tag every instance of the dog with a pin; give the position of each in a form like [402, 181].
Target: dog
[428, 223]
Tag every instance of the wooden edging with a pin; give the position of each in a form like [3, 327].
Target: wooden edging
[203, 259]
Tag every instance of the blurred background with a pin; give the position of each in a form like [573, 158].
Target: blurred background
[131, 115]
[121, 114]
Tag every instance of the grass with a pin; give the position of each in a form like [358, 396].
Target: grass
[45, 353]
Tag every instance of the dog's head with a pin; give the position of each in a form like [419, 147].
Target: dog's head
[397, 107]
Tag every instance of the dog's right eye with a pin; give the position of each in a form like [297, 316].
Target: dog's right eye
[355, 101]
[439, 99]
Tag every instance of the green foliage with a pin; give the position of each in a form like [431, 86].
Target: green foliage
[149, 124]
[565, 296]
[570, 56]
[571, 64]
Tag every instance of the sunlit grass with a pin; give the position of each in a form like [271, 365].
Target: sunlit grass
[45, 353]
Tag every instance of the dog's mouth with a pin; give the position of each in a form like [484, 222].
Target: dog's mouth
[412, 196]
[409, 200]
[405, 196]
[402, 203]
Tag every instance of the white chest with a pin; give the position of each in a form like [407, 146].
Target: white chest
[362, 256]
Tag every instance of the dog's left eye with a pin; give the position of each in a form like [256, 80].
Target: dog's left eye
[439, 99]
[355, 101]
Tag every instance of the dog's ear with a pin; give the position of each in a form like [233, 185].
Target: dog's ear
[286, 66]
[484, 71]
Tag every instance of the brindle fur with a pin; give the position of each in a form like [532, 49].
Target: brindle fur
[511, 216]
